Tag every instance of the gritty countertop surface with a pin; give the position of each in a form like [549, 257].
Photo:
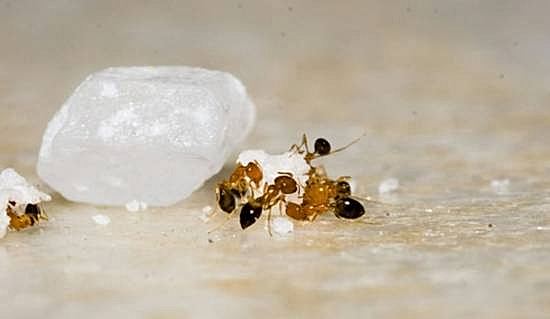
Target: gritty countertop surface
[452, 97]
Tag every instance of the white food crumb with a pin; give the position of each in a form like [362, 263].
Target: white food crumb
[428, 210]
[273, 165]
[388, 185]
[101, 219]
[282, 226]
[136, 206]
[206, 213]
[500, 186]
[15, 188]
[207, 209]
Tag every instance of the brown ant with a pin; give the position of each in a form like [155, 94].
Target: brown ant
[241, 183]
[322, 193]
[273, 194]
[32, 216]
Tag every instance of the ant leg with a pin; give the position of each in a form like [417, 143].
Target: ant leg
[286, 173]
[269, 223]
[368, 199]
[299, 148]
[220, 225]
[43, 215]
[281, 202]
[343, 178]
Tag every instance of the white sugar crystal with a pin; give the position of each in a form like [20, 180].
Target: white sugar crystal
[4, 223]
[282, 226]
[101, 219]
[500, 186]
[388, 185]
[15, 188]
[273, 165]
[153, 133]
[207, 209]
[136, 206]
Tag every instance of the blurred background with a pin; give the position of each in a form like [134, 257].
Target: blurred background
[469, 78]
[452, 95]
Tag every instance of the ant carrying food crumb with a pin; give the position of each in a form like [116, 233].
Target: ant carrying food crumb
[290, 182]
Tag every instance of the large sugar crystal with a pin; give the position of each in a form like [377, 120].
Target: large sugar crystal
[151, 134]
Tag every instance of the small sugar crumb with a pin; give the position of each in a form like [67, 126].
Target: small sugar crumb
[389, 185]
[206, 213]
[428, 210]
[101, 219]
[207, 209]
[500, 186]
[136, 206]
[282, 226]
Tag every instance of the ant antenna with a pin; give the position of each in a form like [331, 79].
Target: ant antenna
[345, 146]
[369, 199]
[220, 225]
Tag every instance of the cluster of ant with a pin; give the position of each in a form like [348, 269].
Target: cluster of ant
[30, 216]
[320, 193]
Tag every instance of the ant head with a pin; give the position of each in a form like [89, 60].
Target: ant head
[286, 184]
[343, 189]
[322, 146]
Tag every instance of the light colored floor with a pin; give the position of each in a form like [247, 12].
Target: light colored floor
[452, 96]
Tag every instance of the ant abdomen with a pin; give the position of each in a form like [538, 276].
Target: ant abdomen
[250, 213]
[348, 208]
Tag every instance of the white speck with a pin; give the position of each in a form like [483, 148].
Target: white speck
[136, 206]
[207, 209]
[206, 213]
[428, 210]
[388, 185]
[282, 226]
[101, 219]
[500, 186]
[543, 228]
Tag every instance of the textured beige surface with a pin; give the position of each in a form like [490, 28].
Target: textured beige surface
[452, 96]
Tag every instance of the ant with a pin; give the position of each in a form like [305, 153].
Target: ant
[321, 147]
[239, 185]
[322, 193]
[32, 216]
[273, 194]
